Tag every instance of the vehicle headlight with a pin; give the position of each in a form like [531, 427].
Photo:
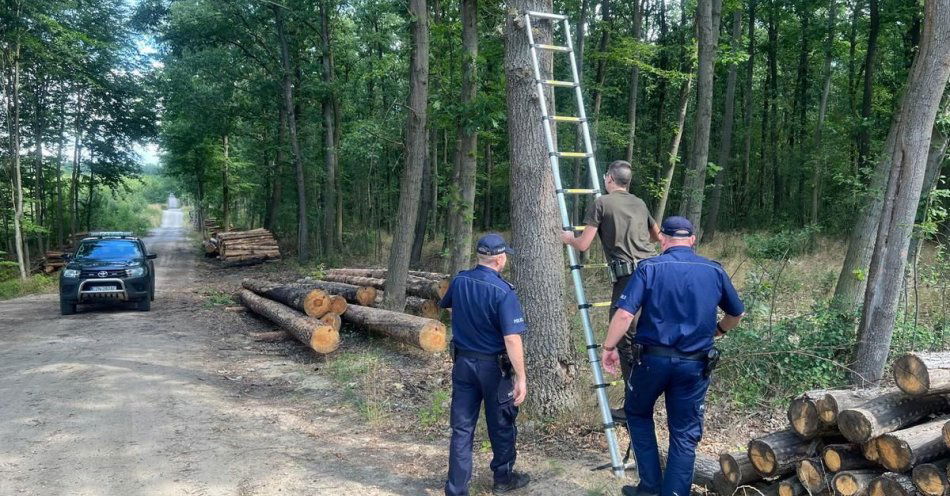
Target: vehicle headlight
[137, 272]
[70, 273]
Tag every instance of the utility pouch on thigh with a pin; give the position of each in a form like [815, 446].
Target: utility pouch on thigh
[712, 361]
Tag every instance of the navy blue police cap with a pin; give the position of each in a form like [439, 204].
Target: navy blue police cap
[493, 244]
[677, 227]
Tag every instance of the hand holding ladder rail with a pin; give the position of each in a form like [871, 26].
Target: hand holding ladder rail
[546, 121]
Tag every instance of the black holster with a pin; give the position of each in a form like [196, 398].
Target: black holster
[712, 361]
[504, 363]
[621, 268]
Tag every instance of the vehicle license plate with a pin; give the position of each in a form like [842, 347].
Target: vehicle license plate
[103, 289]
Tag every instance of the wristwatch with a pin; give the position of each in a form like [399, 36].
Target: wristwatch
[609, 348]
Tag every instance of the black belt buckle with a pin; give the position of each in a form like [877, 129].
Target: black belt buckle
[504, 363]
[712, 361]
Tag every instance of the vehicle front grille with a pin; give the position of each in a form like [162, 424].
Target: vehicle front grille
[94, 274]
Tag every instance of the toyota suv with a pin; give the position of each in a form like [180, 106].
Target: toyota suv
[108, 266]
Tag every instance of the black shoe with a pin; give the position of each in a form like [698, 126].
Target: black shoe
[516, 480]
[634, 491]
[619, 415]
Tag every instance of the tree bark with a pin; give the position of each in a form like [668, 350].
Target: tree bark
[935, 159]
[315, 334]
[864, 136]
[812, 475]
[303, 234]
[931, 478]
[333, 229]
[737, 468]
[414, 286]
[886, 414]
[853, 483]
[891, 484]
[11, 55]
[422, 219]
[747, 113]
[357, 295]
[725, 142]
[278, 185]
[926, 84]
[311, 301]
[426, 334]
[538, 267]
[416, 149]
[817, 151]
[803, 416]
[634, 83]
[793, 487]
[674, 150]
[694, 184]
[225, 191]
[464, 211]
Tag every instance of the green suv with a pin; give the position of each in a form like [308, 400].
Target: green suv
[108, 266]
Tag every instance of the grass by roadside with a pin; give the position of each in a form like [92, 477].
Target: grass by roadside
[35, 284]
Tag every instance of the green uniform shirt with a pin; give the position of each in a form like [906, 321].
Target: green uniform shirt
[623, 224]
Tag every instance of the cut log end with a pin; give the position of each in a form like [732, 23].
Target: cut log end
[855, 426]
[762, 457]
[811, 475]
[366, 295]
[333, 320]
[827, 409]
[911, 374]
[316, 303]
[803, 415]
[929, 479]
[893, 453]
[325, 339]
[338, 304]
[442, 287]
[730, 468]
[432, 337]
[832, 460]
[846, 484]
[946, 433]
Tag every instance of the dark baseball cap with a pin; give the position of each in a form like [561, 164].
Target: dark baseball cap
[493, 244]
[677, 227]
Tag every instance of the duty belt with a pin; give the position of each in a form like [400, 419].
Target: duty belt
[478, 356]
[664, 351]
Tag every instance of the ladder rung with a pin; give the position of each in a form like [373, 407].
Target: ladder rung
[576, 191]
[561, 84]
[571, 154]
[573, 228]
[545, 15]
[553, 48]
[590, 266]
[601, 304]
[565, 118]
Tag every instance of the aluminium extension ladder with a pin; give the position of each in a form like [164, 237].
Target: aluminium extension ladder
[547, 120]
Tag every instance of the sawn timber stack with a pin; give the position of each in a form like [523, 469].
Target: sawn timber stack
[255, 245]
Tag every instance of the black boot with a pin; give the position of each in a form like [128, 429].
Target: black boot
[634, 491]
[516, 480]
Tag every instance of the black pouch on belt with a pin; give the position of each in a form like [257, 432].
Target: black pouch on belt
[621, 268]
[505, 364]
[712, 361]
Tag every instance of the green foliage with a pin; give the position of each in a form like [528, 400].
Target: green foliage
[435, 412]
[781, 245]
[14, 287]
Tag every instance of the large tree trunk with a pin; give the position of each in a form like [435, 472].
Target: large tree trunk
[817, 151]
[416, 149]
[935, 159]
[277, 178]
[332, 229]
[725, 142]
[673, 157]
[225, 191]
[634, 83]
[464, 211]
[694, 184]
[303, 234]
[422, 219]
[59, 174]
[747, 114]
[315, 334]
[538, 267]
[11, 57]
[426, 334]
[864, 131]
[927, 82]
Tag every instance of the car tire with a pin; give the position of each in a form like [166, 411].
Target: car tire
[66, 307]
[144, 304]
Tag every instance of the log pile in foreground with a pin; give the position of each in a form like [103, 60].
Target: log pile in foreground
[865, 442]
[426, 334]
[312, 332]
[243, 247]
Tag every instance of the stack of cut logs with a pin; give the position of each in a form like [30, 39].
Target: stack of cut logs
[251, 246]
[869, 442]
[312, 310]
[53, 261]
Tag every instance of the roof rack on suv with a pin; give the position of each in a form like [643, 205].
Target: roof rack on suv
[111, 234]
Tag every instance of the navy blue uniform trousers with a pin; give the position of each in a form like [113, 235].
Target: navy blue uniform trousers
[474, 381]
[685, 387]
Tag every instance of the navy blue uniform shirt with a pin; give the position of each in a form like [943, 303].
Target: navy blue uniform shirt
[678, 292]
[485, 309]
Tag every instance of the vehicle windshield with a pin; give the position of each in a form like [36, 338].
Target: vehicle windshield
[108, 249]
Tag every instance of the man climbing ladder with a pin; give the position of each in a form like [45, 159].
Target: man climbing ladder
[547, 121]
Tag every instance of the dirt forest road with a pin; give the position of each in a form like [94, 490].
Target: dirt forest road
[112, 401]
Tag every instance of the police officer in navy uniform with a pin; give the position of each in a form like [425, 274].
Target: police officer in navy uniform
[487, 324]
[677, 293]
